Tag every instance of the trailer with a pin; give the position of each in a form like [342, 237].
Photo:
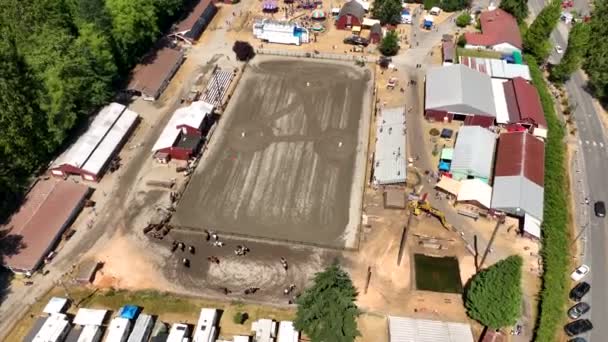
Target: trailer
[118, 331]
[142, 328]
[179, 333]
[206, 330]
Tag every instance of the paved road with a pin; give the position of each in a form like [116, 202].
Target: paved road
[591, 181]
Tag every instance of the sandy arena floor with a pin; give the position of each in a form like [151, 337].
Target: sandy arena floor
[287, 161]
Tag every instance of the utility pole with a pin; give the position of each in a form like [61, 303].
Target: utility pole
[404, 238]
[485, 253]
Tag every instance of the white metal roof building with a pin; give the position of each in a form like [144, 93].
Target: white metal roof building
[178, 332]
[86, 316]
[390, 165]
[190, 117]
[404, 329]
[90, 333]
[474, 190]
[500, 101]
[458, 89]
[92, 151]
[473, 153]
[496, 68]
[55, 305]
[54, 329]
[206, 330]
[287, 332]
[265, 330]
[142, 328]
[118, 331]
[281, 32]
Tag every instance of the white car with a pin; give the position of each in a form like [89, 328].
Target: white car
[580, 272]
[559, 49]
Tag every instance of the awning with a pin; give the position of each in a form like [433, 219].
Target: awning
[367, 22]
[450, 185]
[540, 132]
[356, 29]
[532, 226]
[475, 190]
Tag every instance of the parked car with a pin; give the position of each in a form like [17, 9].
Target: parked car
[356, 40]
[578, 310]
[559, 49]
[578, 327]
[577, 339]
[600, 209]
[579, 291]
[580, 272]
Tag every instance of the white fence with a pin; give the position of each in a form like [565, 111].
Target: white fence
[317, 55]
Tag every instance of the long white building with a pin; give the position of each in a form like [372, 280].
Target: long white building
[280, 32]
[206, 329]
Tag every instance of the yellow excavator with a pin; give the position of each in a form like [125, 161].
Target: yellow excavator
[418, 206]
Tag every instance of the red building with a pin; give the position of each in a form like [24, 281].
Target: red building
[351, 14]
[375, 33]
[523, 104]
[182, 135]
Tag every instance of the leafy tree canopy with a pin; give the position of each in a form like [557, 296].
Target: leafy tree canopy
[387, 11]
[494, 295]
[536, 39]
[578, 40]
[389, 46]
[243, 50]
[463, 19]
[518, 8]
[596, 62]
[327, 310]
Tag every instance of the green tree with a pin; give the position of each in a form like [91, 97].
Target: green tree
[134, 27]
[536, 39]
[494, 295]
[463, 19]
[596, 62]
[454, 5]
[428, 4]
[327, 311]
[518, 8]
[389, 45]
[578, 40]
[387, 11]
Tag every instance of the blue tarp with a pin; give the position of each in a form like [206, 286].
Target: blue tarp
[444, 165]
[128, 312]
[508, 58]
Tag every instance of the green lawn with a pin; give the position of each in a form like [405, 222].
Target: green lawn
[477, 53]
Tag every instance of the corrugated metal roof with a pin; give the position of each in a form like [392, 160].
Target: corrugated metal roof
[521, 153]
[142, 328]
[528, 102]
[497, 27]
[44, 213]
[191, 116]
[459, 89]
[390, 165]
[518, 192]
[532, 226]
[193, 16]
[354, 8]
[108, 145]
[500, 101]
[78, 153]
[474, 151]
[496, 68]
[403, 329]
[475, 190]
[149, 76]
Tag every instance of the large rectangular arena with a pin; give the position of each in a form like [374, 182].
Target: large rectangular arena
[287, 161]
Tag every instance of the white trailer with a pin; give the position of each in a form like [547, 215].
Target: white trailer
[206, 330]
[54, 329]
[179, 333]
[142, 328]
[118, 331]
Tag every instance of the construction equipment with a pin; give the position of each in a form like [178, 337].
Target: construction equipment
[418, 206]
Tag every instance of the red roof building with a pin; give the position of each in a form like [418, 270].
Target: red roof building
[523, 103]
[351, 14]
[500, 32]
[47, 210]
[191, 27]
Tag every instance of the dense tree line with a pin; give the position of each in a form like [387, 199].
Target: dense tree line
[578, 40]
[447, 5]
[387, 11]
[60, 60]
[596, 63]
[536, 38]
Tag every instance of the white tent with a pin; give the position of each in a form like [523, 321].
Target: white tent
[86, 316]
[55, 305]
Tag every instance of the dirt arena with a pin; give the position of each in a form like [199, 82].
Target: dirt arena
[287, 161]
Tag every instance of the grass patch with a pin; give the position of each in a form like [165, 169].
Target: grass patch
[556, 238]
[477, 53]
[168, 307]
[438, 274]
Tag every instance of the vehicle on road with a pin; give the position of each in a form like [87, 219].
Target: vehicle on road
[579, 291]
[356, 40]
[578, 310]
[580, 272]
[578, 327]
[600, 209]
[559, 49]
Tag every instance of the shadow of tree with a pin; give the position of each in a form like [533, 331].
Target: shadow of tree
[10, 244]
